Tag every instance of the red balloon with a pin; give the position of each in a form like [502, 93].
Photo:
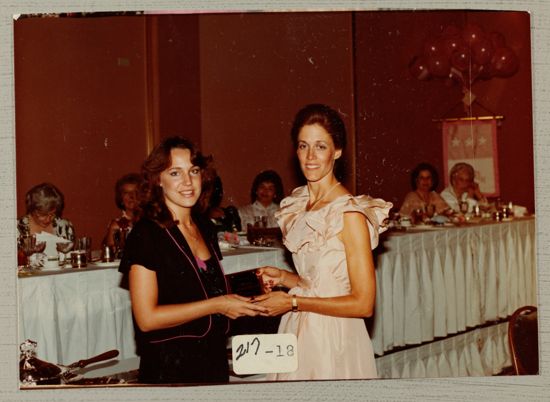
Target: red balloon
[482, 51]
[504, 63]
[432, 45]
[497, 39]
[472, 33]
[419, 68]
[451, 43]
[460, 59]
[439, 65]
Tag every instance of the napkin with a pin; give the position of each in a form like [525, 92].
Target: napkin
[51, 240]
[519, 211]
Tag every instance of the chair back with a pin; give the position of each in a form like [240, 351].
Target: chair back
[523, 340]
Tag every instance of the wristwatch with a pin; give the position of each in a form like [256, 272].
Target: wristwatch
[294, 304]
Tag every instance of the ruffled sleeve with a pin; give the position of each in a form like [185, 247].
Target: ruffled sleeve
[313, 229]
[290, 217]
[376, 210]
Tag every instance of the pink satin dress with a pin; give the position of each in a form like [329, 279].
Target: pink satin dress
[328, 347]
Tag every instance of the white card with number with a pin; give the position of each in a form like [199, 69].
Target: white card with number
[264, 353]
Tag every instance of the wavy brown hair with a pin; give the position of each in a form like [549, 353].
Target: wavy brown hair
[152, 200]
[326, 117]
[331, 121]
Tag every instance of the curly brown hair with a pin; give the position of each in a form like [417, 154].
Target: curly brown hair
[152, 200]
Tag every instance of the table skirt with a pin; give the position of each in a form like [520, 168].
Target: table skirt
[440, 282]
[479, 352]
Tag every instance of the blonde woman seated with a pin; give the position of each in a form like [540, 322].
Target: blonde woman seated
[463, 188]
[44, 205]
[424, 181]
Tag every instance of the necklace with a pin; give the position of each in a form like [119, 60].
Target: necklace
[190, 232]
[323, 196]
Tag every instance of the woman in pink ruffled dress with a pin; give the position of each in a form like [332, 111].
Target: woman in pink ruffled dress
[330, 234]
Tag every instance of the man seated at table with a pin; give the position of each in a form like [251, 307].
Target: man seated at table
[463, 188]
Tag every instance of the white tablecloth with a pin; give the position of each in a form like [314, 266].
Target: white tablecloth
[429, 284]
[439, 282]
[76, 314]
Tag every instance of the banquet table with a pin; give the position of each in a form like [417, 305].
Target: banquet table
[442, 295]
[74, 314]
[451, 285]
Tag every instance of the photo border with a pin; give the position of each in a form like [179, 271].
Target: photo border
[490, 388]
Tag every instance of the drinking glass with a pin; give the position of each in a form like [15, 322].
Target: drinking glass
[40, 246]
[260, 221]
[85, 244]
[63, 247]
[28, 245]
[430, 210]
[257, 221]
[463, 205]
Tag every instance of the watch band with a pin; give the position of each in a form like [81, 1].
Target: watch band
[294, 303]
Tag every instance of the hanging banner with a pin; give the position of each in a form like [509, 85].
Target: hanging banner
[473, 142]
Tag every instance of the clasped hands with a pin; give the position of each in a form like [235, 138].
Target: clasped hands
[275, 302]
[269, 304]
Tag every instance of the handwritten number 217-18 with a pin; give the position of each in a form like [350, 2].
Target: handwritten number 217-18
[254, 347]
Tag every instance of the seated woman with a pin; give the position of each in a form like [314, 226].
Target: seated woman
[424, 181]
[126, 199]
[265, 195]
[463, 188]
[44, 205]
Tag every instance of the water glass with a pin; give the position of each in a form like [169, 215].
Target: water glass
[85, 244]
[78, 259]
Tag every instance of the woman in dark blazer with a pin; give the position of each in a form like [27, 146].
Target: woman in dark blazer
[180, 300]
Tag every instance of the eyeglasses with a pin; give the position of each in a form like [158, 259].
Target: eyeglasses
[42, 215]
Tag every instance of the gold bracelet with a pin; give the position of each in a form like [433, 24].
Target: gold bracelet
[294, 303]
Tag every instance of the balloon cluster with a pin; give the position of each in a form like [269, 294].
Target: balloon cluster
[464, 56]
